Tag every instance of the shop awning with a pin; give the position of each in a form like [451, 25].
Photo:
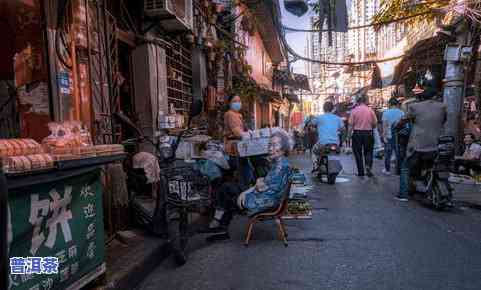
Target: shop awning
[423, 55]
[293, 80]
[282, 76]
[268, 95]
[301, 82]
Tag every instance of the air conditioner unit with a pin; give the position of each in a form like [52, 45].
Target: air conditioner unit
[174, 15]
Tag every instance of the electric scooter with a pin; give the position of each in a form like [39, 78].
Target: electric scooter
[434, 174]
[325, 168]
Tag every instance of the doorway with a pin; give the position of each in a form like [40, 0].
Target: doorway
[9, 122]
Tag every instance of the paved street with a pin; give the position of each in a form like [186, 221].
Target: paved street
[359, 238]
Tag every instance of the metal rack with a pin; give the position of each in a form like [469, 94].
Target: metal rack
[179, 75]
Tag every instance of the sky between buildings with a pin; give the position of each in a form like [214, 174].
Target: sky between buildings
[297, 40]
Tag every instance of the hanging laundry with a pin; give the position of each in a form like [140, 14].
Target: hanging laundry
[296, 7]
[340, 19]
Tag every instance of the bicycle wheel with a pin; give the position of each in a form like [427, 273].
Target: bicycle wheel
[178, 238]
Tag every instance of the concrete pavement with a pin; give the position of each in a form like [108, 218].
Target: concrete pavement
[359, 238]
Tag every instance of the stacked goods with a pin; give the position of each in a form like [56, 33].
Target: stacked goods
[70, 140]
[299, 206]
[298, 177]
[15, 147]
[255, 142]
[23, 155]
[298, 209]
[111, 149]
[67, 141]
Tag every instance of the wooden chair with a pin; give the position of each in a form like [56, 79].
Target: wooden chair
[273, 214]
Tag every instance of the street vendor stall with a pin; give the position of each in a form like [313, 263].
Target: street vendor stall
[52, 195]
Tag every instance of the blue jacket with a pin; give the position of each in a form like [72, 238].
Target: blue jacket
[276, 180]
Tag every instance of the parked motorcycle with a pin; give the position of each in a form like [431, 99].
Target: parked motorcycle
[325, 167]
[434, 175]
[155, 216]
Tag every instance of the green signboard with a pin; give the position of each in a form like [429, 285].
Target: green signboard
[61, 219]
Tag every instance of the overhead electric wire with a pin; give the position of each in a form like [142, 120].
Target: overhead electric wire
[300, 57]
[297, 56]
[359, 27]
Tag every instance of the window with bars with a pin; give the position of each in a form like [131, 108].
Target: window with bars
[179, 76]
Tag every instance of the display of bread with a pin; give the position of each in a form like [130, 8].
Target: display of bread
[26, 163]
[15, 147]
[110, 149]
[67, 141]
[70, 140]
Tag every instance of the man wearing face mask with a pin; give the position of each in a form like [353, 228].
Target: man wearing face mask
[265, 195]
[234, 126]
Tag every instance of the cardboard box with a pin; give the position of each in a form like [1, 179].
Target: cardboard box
[253, 147]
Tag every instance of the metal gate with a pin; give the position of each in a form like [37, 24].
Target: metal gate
[102, 57]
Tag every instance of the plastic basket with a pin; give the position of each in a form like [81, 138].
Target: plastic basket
[184, 185]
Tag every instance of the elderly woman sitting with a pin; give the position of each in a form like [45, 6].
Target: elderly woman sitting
[265, 195]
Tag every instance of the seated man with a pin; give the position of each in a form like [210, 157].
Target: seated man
[329, 126]
[427, 119]
[265, 195]
[471, 158]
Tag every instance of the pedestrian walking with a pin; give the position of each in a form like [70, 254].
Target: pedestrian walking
[362, 122]
[390, 117]
[310, 133]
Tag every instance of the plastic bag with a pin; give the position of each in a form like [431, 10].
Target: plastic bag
[209, 169]
[217, 157]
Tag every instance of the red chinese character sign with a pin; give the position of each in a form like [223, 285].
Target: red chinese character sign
[55, 232]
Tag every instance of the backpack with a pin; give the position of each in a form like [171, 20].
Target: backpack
[402, 134]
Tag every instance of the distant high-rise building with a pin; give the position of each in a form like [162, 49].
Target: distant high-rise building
[363, 41]
[321, 74]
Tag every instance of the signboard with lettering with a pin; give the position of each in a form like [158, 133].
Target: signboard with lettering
[55, 233]
[63, 80]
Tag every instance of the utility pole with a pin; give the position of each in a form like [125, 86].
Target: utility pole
[456, 56]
